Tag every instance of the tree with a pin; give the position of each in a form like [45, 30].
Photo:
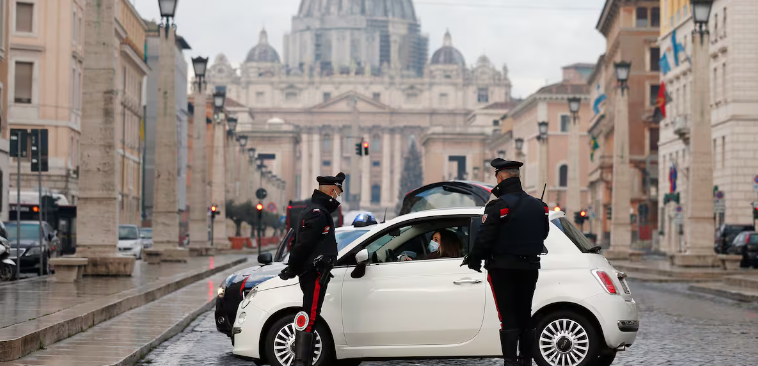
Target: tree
[412, 176]
[239, 213]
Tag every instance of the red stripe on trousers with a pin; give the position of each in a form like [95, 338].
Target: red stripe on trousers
[489, 279]
[314, 305]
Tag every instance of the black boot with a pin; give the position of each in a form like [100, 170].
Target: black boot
[303, 349]
[526, 346]
[509, 344]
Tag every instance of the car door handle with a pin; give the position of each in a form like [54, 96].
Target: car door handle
[460, 282]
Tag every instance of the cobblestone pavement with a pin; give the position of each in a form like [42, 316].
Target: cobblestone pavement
[678, 327]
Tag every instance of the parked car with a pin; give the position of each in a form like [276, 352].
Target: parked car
[233, 289]
[378, 307]
[7, 263]
[146, 235]
[746, 245]
[129, 242]
[31, 251]
[725, 235]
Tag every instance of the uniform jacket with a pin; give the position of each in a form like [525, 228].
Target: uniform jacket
[315, 234]
[514, 229]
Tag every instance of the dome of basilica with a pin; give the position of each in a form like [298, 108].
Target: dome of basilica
[447, 54]
[263, 52]
[396, 9]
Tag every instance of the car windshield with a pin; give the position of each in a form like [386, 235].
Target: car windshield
[28, 231]
[576, 236]
[127, 233]
[146, 234]
[344, 238]
[753, 238]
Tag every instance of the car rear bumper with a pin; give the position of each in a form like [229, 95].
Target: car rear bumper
[618, 318]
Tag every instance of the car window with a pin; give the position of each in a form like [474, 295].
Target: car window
[739, 239]
[146, 234]
[127, 233]
[576, 236]
[753, 238]
[412, 242]
[28, 231]
[344, 238]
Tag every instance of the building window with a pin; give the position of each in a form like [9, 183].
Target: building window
[723, 26]
[483, 95]
[377, 97]
[24, 17]
[563, 175]
[260, 97]
[655, 56]
[376, 194]
[412, 98]
[326, 143]
[654, 95]
[376, 143]
[327, 96]
[81, 35]
[376, 164]
[496, 122]
[654, 137]
[290, 96]
[73, 27]
[655, 17]
[565, 122]
[641, 18]
[327, 163]
[443, 99]
[23, 83]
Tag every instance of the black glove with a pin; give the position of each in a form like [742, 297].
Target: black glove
[286, 274]
[475, 265]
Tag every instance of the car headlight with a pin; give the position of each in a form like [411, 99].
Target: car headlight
[241, 318]
[249, 297]
[221, 291]
[32, 251]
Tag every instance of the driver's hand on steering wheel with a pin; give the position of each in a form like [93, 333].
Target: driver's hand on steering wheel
[405, 258]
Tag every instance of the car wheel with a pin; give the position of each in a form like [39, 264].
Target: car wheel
[7, 272]
[280, 344]
[565, 338]
[46, 266]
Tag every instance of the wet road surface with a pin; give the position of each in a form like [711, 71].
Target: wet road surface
[677, 327]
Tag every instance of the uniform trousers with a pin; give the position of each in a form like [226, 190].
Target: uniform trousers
[513, 290]
[313, 296]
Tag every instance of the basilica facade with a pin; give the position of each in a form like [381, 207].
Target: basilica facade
[351, 73]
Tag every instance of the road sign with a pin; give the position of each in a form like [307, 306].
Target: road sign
[261, 194]
[755, 184]
[678, 208]
[719, 206]
[271, 207]
[679, 218]
[720, 195]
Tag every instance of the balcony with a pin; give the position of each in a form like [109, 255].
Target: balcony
[682, 127]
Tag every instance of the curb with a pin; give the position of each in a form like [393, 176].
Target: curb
[725, 293]
[35, 340]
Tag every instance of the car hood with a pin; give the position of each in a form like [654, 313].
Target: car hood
[253, 274]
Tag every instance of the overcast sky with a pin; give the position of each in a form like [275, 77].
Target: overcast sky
[533, 37]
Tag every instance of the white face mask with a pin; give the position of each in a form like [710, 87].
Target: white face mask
[433, 246]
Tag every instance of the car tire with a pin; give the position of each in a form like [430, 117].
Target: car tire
[46, 266]
[7, 272]
[565, 333]
[283, 328]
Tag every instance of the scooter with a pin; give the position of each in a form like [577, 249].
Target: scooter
[7, 265]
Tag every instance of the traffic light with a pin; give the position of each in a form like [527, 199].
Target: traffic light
[577, 218]
[214, 212]
[583, 214]
[359, 148]
[755, 211]
[609, 213]
[557, 208]
[259, 208]
[365, 148]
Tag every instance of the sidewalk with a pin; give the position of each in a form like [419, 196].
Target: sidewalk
[655, 269]
[39, 312]
[740, 287]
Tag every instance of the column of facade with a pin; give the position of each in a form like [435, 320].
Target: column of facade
[336, 153]
[165, 207]
[365, 162]
[699, 227]
[218, 186]
[98, 183]
[573, 199]
[621, 228]
[305, 162]
[387, 198]
[199, 204]
[397, 167]
[316, 161]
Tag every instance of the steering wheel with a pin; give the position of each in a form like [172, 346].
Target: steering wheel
[391, 257]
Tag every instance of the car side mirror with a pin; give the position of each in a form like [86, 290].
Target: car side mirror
[265, 259]
[362, 257]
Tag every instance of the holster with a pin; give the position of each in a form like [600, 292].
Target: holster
[324, 267]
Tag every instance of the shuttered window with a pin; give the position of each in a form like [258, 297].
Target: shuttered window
[23, 82]
[24, 17]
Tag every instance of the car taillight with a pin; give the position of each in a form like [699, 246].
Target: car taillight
[605, 281]
[747, 239]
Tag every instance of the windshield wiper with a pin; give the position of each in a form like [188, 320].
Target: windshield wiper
[596, 249]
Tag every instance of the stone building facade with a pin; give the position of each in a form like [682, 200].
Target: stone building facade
[4, 128]
[631, 29]
[734, 113]
[300, 116]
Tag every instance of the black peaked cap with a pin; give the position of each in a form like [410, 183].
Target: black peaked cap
[502, 164]
[332, 181]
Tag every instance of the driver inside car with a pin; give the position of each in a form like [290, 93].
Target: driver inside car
[444, 244]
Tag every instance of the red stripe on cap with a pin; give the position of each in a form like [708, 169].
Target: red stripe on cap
[504, 211]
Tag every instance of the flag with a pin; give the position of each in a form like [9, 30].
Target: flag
[661, 100]
[678, 47]
[593, 147]
[664, 64]
[598, 101]
[672, 178]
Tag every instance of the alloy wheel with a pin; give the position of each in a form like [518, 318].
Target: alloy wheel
[284, 345]
[6, 272]
[564, 342]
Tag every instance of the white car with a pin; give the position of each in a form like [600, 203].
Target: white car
[437, 309]
[129, 242]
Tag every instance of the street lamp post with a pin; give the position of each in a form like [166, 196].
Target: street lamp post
[218, 184]
[573, 198]
[165, 218]
[542, 127]
[621, 228]
[199, 199]
[700, 226]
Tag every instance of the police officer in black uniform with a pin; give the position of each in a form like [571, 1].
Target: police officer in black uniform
[312, 256]
[510, 240]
